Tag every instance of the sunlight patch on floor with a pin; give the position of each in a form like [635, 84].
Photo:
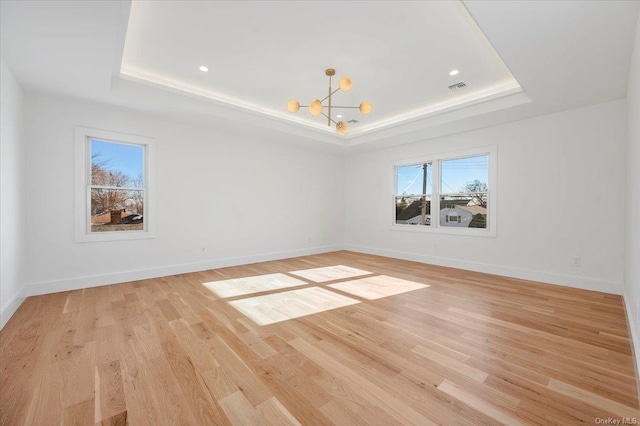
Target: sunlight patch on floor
[272, 308]
[250, 285]
[289, 304]
[330, 273]
[377, 287]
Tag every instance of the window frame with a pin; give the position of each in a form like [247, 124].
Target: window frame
[436, 192]
[83, 186]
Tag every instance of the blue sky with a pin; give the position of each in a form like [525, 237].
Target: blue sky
[455, 175]
[127, 159]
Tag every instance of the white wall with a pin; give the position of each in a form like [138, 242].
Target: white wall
[11, 193]
[241, 200]
[560, 194]
[632, 263]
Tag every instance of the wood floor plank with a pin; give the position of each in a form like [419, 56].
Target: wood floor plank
[276, 414]
[119, 419]
[257, 345]
[362, 340]
[198, 352]
[155, 396]
[45, 400]
[239, 373]
[218, 383]
[76, 376]
[79, 414]
[452, 363]
[478, 403]
[240, 411]
[110, 399]
[72, 302]
[353, 413]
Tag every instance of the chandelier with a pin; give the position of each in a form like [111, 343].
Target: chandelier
[316, 107]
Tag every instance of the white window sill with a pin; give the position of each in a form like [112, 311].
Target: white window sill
[468, 232]
[114, 236]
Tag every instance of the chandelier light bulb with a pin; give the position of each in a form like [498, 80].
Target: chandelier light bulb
[366, 107]
[341, 127]
[345, 84]
[293, 105]
[315, 107]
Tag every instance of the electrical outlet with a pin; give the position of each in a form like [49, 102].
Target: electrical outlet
[576, 261]
[436, 248]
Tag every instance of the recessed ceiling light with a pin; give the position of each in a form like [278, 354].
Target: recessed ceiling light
[204, 69]
[339, 115]
[454, 72]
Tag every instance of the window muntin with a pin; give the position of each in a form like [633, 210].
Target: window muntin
[459, 189]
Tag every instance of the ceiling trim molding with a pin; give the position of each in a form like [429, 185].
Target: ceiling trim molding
[219, 99]
[471, 99]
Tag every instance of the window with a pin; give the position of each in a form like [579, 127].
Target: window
[113, 186]
[453, 193]
[413, 194]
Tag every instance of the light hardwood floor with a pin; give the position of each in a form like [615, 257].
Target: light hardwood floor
[456, 347]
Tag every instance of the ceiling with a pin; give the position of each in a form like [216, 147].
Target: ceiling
[259, 57]
[519, 59]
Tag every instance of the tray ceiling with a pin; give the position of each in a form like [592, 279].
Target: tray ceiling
[261, 54]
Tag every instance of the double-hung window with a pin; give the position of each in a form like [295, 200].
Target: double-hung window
[114, 199]
[450, 193]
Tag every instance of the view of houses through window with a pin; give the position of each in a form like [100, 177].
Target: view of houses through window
[460, 193]
[117, 186]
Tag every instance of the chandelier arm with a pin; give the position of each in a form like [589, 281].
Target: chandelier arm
[334, 106]
[327, 97]
[329, 118]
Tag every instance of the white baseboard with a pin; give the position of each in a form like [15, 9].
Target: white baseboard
[76, 283]
[635, 337]
[11, 307]
[611, 287]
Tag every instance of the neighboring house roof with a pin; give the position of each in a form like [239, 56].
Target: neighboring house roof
[453, 202]
[412, 210]
[475, 209]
